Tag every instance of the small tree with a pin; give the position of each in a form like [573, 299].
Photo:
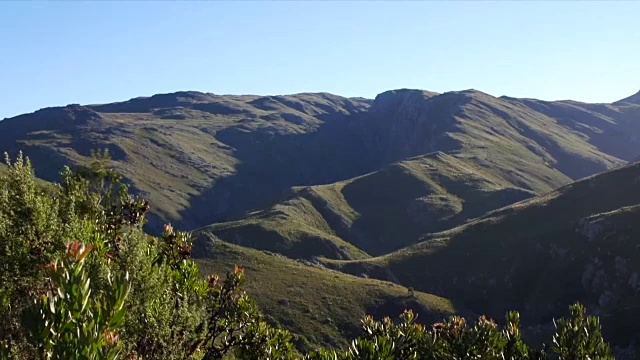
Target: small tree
[580, 337]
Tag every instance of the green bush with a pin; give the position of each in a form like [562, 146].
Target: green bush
[103, 289]
[72, 321]
[164, 308]
[577, 337]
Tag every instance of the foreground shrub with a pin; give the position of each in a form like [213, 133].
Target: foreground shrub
[72, 321]
[577, 337]
[114, 292]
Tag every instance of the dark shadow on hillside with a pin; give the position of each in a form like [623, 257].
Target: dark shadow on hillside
[270, 164]
[394, 306]
[537, 258]
[344, 146]
[396, 207]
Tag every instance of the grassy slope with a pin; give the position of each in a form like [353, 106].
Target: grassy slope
[293, 228]
[497, 145]
[168, 145]
[525, 147]
[202, 158]
[321, 306]
[378, 212]
[577, 243]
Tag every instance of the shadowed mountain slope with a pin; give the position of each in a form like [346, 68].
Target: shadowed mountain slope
[378, 212]
[176, 147]
[579, 243]
[631, 100]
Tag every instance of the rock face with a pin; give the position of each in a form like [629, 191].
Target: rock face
[412, 124]
[591, 230]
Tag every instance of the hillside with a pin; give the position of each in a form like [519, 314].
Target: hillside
[203, 158]
[631, 100]
[183, 149]
[320, 306]
[578, 243]
[378, 212]
[525, 147]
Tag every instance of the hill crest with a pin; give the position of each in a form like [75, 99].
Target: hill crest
[206, 158]
[633, 99]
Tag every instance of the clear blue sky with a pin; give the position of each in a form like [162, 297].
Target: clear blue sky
[56, 53]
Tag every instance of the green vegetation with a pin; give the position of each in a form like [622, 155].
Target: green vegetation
[71, 322]
[319, 306]
[115, 292]
[577, 337]
[294, 228]
[431, 192]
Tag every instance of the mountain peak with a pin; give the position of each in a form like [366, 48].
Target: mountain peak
[400, 96]
[146, 103]
[633, 99]
[407, 92]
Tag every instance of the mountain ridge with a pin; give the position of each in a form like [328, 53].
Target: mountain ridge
[633, 99]
[206, 158]
[196, 93]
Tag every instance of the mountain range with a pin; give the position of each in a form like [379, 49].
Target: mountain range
[459, 202]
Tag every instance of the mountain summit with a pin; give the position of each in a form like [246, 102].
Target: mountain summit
[633, 99]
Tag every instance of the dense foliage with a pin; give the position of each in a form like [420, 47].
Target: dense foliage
[80, 279]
